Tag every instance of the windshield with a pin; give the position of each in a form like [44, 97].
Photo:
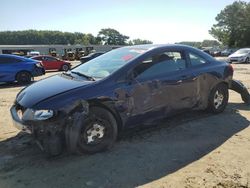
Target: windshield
[242, 51]
[108, 63]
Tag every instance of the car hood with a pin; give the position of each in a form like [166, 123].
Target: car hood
[47, 88]
[237, 55]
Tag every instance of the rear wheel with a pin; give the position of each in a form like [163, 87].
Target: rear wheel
[218, 98]
[23, 77]
[98, 132]
[65, 67]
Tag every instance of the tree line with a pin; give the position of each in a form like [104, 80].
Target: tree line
[204, 43]
[106, 36]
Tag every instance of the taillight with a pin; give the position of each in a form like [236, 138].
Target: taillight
[231, 69]
[39, 64]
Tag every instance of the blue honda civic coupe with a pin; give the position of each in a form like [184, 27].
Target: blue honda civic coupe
[16, 68]
[86, 108]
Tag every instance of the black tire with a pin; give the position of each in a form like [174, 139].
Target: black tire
[23, 77]
[247, 60]
[245, 96]
[99, 120]
[65, 67]
[218, 98]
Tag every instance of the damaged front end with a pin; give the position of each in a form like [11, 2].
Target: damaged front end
[52, 129]
[239, 87]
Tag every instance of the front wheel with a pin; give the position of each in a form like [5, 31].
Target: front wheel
[23, 78]
[218, 99]
[65, 67]
[98, 132]
[247, 60]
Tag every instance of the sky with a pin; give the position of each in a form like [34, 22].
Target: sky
[160, 21]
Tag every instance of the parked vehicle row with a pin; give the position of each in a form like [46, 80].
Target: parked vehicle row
[19, 68]
[218, 52]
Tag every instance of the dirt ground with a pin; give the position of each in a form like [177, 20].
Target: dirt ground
[194, 149]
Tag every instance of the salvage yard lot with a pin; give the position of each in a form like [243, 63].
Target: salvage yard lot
[193, 149]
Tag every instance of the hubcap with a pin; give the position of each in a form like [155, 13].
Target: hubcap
[95, 132]
[218, 99]
[65, 67]
[24, 77]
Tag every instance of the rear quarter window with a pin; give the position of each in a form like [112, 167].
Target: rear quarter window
[37, 58]
[196, 60]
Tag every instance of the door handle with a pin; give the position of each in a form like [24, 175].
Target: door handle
[179, 81]
[188, 77]
[192, 76]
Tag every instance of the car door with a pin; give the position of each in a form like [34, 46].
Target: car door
[204, 74]
[161, 86]
[48, 63]
[8, 69]
[55, 63]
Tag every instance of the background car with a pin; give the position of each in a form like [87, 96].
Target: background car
[227, 52]
[240, 56]
[86, 108]
[216, 53]
[20, 69]
[84, 59]
[52, 63]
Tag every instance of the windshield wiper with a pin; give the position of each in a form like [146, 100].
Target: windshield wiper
[67, 74]
[84, 75]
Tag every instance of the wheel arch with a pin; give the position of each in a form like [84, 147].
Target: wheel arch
[109, 106]
[64, 64]
[26, 71]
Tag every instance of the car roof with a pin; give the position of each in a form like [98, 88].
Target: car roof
[14, 56]
[42, 56]
[155, 46]
[150, 47]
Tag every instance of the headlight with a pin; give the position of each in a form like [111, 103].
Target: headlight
[43, 114]
[37, 115]
[39, 64]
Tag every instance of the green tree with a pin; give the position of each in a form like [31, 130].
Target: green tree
[112, 37]
[191, 43]
[139, 41]
[45, 37]
[233, 25]
[89, 39]
[210, 43]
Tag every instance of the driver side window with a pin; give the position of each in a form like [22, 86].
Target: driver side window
[160, 64]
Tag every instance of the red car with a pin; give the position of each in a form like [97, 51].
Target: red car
[51, 63]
